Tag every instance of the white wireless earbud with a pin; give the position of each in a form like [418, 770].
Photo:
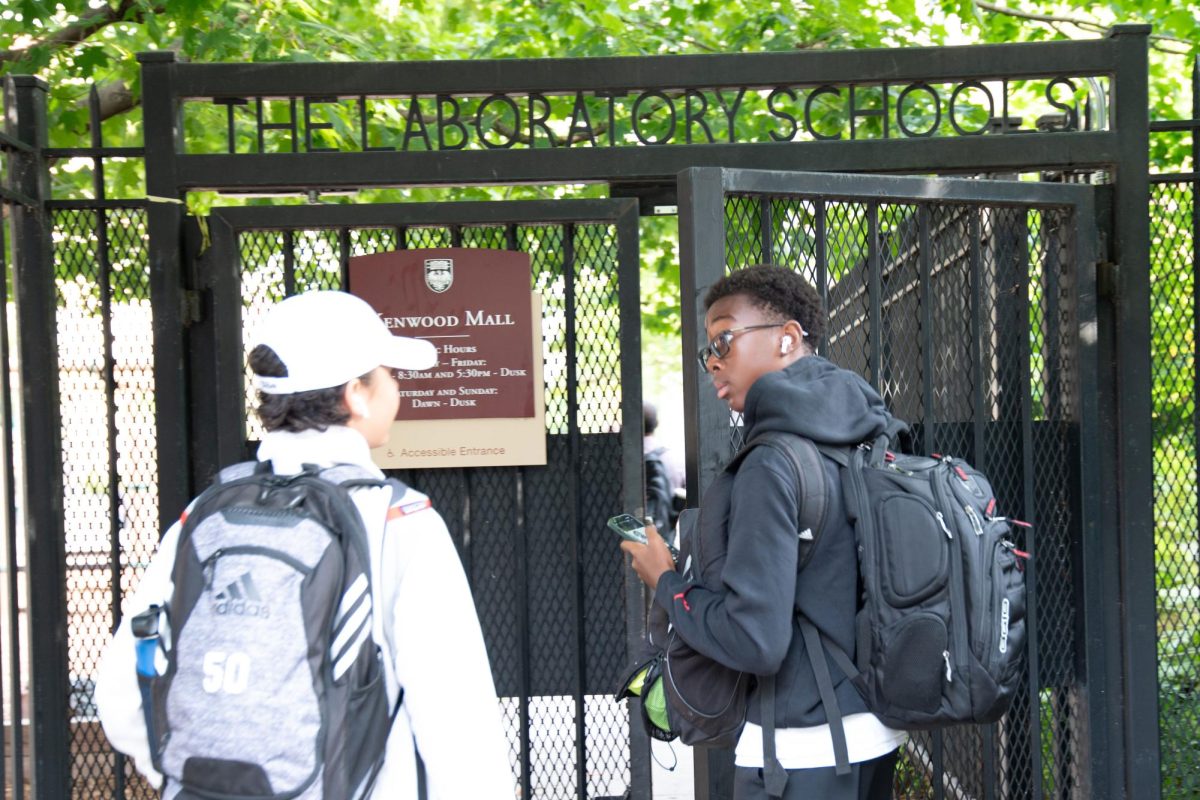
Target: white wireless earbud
[359, 407]
[785, 346]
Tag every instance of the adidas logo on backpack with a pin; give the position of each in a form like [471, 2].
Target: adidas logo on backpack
[274, 684]
[242, 599]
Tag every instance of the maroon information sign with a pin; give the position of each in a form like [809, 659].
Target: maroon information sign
[474, 305]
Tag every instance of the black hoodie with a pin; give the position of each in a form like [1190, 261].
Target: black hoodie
[742, 614]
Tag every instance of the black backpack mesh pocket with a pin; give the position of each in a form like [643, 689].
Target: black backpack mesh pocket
[913, 655]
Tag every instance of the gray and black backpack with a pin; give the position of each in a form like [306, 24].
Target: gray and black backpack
[274, 684]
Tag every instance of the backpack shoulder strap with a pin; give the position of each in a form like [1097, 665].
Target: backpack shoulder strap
[350, 476]
[774, 775]
[896, 435]
[813, 493]
[898, 432]
[833, 710]
[399, 488]
[241, 470]
[837, 454]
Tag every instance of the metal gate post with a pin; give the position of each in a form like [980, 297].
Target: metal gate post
[41, 451]
[1134, 435]
[633, 480]
[1196, 250]
[216, 359]
[164, 223]
[706, 419]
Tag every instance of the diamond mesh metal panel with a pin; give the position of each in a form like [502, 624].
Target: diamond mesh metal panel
[110, 472]
[543, 582]
[962, 317]
[1173, 292]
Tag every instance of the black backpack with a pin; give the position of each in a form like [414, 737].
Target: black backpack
[687, 695]
[941, 623]
[273, 684]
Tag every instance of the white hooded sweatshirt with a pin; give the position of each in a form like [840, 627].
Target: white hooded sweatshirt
[428, 629]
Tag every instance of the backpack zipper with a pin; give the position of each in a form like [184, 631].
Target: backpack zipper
[209, 565]
[1020, 554]
[979, 566]
[958, 601]
[942, 521]
[866, 517]
[976, 524]
[985, 566]
[949, 669]
[670, 678]
[1000, 612]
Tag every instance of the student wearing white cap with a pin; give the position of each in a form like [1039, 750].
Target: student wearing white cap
[328, 395]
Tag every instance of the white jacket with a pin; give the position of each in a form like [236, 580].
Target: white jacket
[429, 629]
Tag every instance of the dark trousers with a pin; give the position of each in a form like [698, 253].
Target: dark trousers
[868, 780]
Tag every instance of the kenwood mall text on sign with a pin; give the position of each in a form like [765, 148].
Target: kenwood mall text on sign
[482, 405]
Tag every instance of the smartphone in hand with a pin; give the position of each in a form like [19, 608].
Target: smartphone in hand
[628, 527]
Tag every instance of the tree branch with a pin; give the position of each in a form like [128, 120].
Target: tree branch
[115, 98]
[78, 31]
[1054, 20]
[1085, 24]
[654, 29]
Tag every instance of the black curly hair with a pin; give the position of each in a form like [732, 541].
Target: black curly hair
[777, 290]
[302, 411]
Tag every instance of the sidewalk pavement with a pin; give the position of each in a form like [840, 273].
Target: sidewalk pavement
[671, 784]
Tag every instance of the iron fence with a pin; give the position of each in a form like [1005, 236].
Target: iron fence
[104, 325]
[103, 343]
[1175, 303]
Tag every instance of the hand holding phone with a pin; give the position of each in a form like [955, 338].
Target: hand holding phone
[653, 558]
[629, 528]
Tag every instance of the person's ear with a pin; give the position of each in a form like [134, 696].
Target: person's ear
[793, 337]
[355, 401]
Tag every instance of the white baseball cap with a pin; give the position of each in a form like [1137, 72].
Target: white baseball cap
[326, 339]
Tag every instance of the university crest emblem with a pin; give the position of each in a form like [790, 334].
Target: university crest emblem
[439, 273]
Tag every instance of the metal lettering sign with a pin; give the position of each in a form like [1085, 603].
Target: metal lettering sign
[1001, 108]
[710, 115]
[481, 404]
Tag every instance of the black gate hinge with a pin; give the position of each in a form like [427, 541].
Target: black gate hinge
[1106, 279]
[189, 307]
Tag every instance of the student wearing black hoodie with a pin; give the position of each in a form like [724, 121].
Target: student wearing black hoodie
[763, 323]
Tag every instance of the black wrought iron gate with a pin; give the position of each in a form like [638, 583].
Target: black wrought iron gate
[126, 369]
[557, 611]
[970, 305]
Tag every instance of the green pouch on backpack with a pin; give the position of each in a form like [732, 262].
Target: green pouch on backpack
[645, 681]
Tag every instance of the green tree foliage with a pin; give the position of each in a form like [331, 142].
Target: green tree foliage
[75, 43]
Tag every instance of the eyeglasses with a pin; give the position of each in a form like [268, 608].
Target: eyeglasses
[720, 344]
